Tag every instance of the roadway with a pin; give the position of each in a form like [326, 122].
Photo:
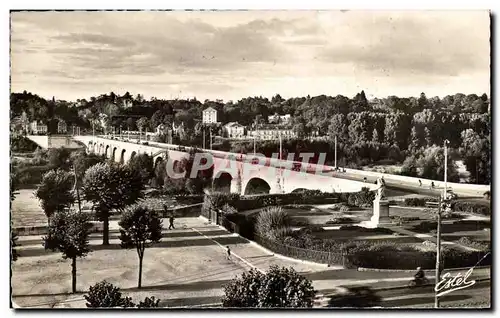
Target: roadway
[478, 295]
[404, 187]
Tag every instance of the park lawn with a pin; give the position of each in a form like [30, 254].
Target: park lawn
[183, 272]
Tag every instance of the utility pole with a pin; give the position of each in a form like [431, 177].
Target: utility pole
[77, 191]
[281, 146]
[438, 252]
[254, 133]
[446, 142]
[203, 137]
[210, 138]
[335, 151]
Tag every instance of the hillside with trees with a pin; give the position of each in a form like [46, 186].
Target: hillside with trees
[391, 130]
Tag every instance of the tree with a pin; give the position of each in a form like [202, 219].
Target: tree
[142, 123]
[109, 187]
[140, 227]
[142, 164]
[69, 234]
[55, 192]
[130, 123]
[82, 161]
[104, 294]
[58, 157]
[278, 288]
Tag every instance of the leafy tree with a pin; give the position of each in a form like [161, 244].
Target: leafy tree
[140, 227]
[142, 123]
[104, 294]
[130, 123]
[69, 234]
[82, 161]
[149, 303]
[55, 192]
[111, 187]
[142, 164]
[59, 157]
[278, 288]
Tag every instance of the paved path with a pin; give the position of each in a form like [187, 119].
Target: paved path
[198, 290]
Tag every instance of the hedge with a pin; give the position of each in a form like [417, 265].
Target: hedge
[391, 257]
[471, 207]
[419, 201]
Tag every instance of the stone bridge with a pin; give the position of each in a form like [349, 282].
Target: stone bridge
[237, 173]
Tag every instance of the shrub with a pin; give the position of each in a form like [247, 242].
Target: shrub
[379, 230]
[425, 226]
[217, 200]
[271, 218]
[277, 288]
[471, 207]
[279, 234]
[104, 294]
[481, 246]
[228, 209]
[340, 220]
[418, 201]
[149, 303]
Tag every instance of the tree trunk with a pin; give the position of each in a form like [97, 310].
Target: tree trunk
[105, 229]
[73, 274]
[141, 256]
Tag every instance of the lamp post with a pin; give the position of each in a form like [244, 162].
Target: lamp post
[443, 200]
[446, 142]
[335, 151]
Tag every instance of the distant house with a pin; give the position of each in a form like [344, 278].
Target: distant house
[161, 129]
[209, 116]
[234, 130]
[272, 132]
[62, 128]
[20, 124]
[178, 129]
[38, 127]
[279, 119]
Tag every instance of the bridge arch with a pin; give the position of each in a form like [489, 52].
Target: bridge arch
[122, 156]
[222, 182]
[132, 155]
[257, 186]
[113, 154]
[107, 152]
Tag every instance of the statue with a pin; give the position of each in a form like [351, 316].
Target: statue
[380, 190]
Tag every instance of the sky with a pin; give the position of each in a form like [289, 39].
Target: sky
[230, 55]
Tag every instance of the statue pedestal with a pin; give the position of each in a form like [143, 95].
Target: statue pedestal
[380, 214]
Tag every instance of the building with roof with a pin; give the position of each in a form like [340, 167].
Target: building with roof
[209, 116]
[234, 130]
[272, 132]
[38, 127]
